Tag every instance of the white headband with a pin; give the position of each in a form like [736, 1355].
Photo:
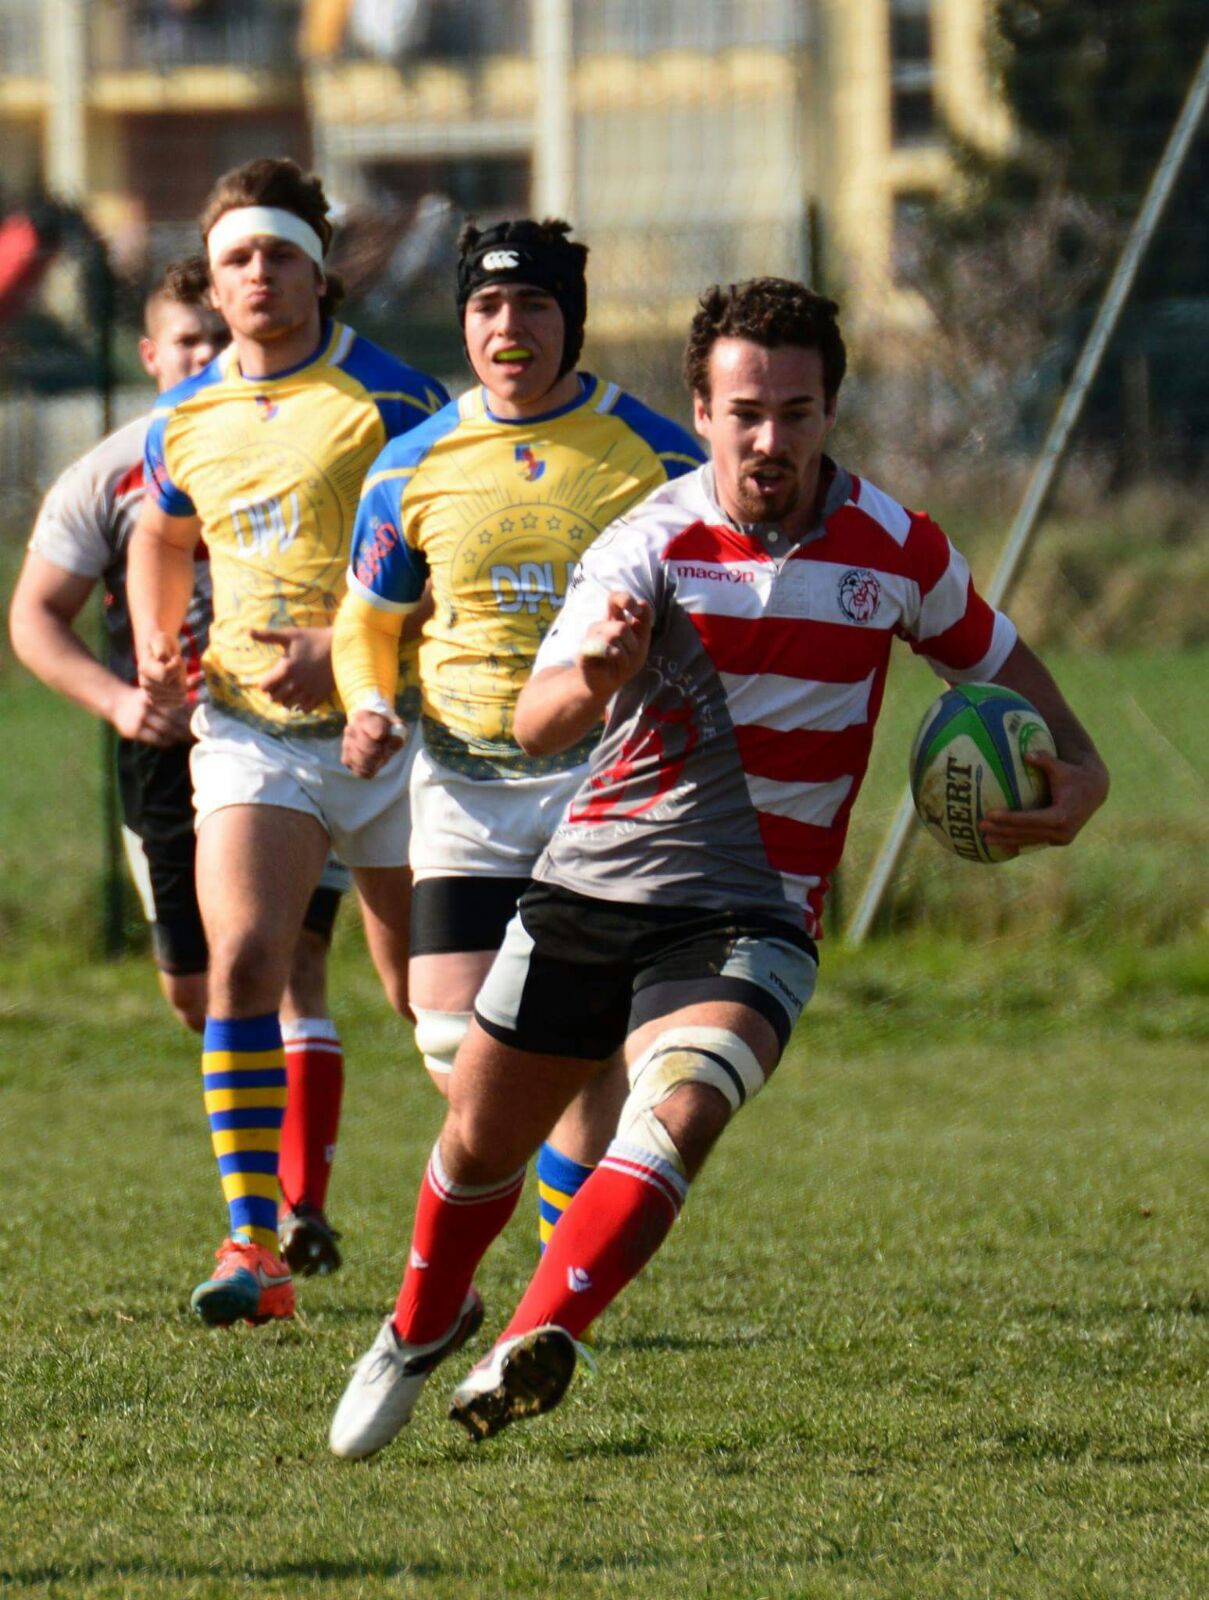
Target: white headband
[250, 222]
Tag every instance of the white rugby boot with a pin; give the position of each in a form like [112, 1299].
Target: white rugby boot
[522, 1377]
[386, 1383]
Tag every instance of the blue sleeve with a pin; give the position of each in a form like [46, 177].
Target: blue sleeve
[163, 491]
[400, 413]
[677, 449]
[383, 567]
[404, 396]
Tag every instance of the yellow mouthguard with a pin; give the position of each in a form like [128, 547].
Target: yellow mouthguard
[515, 353]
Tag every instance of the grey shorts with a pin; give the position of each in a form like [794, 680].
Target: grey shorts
[576, 975]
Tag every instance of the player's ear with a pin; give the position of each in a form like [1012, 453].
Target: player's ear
[701, 414]
[150, 357]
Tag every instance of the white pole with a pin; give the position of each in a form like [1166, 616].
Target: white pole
[1161, 184]
[554, 124]
[65, 66]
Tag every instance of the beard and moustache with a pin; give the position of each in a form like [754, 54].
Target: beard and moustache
[755, 507]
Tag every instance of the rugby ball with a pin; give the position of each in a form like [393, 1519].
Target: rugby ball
[968, 759]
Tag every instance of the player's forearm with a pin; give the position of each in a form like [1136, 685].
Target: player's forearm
[1025, 672]
[556, 709]
[51, 649]
[159, 583]
[365, 654]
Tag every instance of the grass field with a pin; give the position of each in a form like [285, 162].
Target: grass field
[933, 1324]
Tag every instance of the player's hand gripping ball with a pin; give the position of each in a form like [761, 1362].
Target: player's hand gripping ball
[968, 759]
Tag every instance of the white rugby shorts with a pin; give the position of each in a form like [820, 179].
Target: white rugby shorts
[494, 826]
[368, 820]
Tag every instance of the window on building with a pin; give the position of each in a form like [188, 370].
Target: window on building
[485, 187]
[912, 103]
[21, 37]
[908, 238]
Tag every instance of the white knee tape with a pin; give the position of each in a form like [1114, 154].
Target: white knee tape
[710, 1056]
[438, 1035]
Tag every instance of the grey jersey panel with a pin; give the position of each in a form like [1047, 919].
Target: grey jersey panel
[666, 806]
[665, 813]
[84, 526]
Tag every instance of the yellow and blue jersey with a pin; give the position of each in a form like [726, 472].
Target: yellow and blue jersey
[274, 467]
[498, 513]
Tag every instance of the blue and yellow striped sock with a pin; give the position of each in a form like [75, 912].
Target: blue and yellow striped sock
[559, 1180]
[243, 1076]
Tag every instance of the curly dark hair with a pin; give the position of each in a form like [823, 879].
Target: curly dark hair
[277, 181]
[770, 312]
[183, 282]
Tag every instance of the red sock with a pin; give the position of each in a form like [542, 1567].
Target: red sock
[604, 1238]
[314, 1070]
[454, 1226]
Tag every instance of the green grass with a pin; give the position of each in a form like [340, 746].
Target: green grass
[1141, 869]
[933, 1325]
[1140, 872]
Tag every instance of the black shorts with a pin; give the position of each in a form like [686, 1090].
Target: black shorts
[467, 912]
[161, 848]
[575, 975]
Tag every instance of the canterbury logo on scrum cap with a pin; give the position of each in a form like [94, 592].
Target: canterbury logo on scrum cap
[500, 261]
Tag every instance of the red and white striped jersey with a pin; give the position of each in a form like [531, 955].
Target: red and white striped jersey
[729, 766]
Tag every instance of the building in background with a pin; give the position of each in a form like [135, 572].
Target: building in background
[688, 142]
[130, 108]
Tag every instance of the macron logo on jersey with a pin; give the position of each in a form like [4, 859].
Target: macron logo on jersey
[372, 558]
[266, 408]
[500, 261]
[531, 467]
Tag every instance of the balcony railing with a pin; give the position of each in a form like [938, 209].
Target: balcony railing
[428, 30]
[159, 36]
[641, 27]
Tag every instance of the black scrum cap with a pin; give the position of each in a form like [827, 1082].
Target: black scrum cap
[536, 253]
